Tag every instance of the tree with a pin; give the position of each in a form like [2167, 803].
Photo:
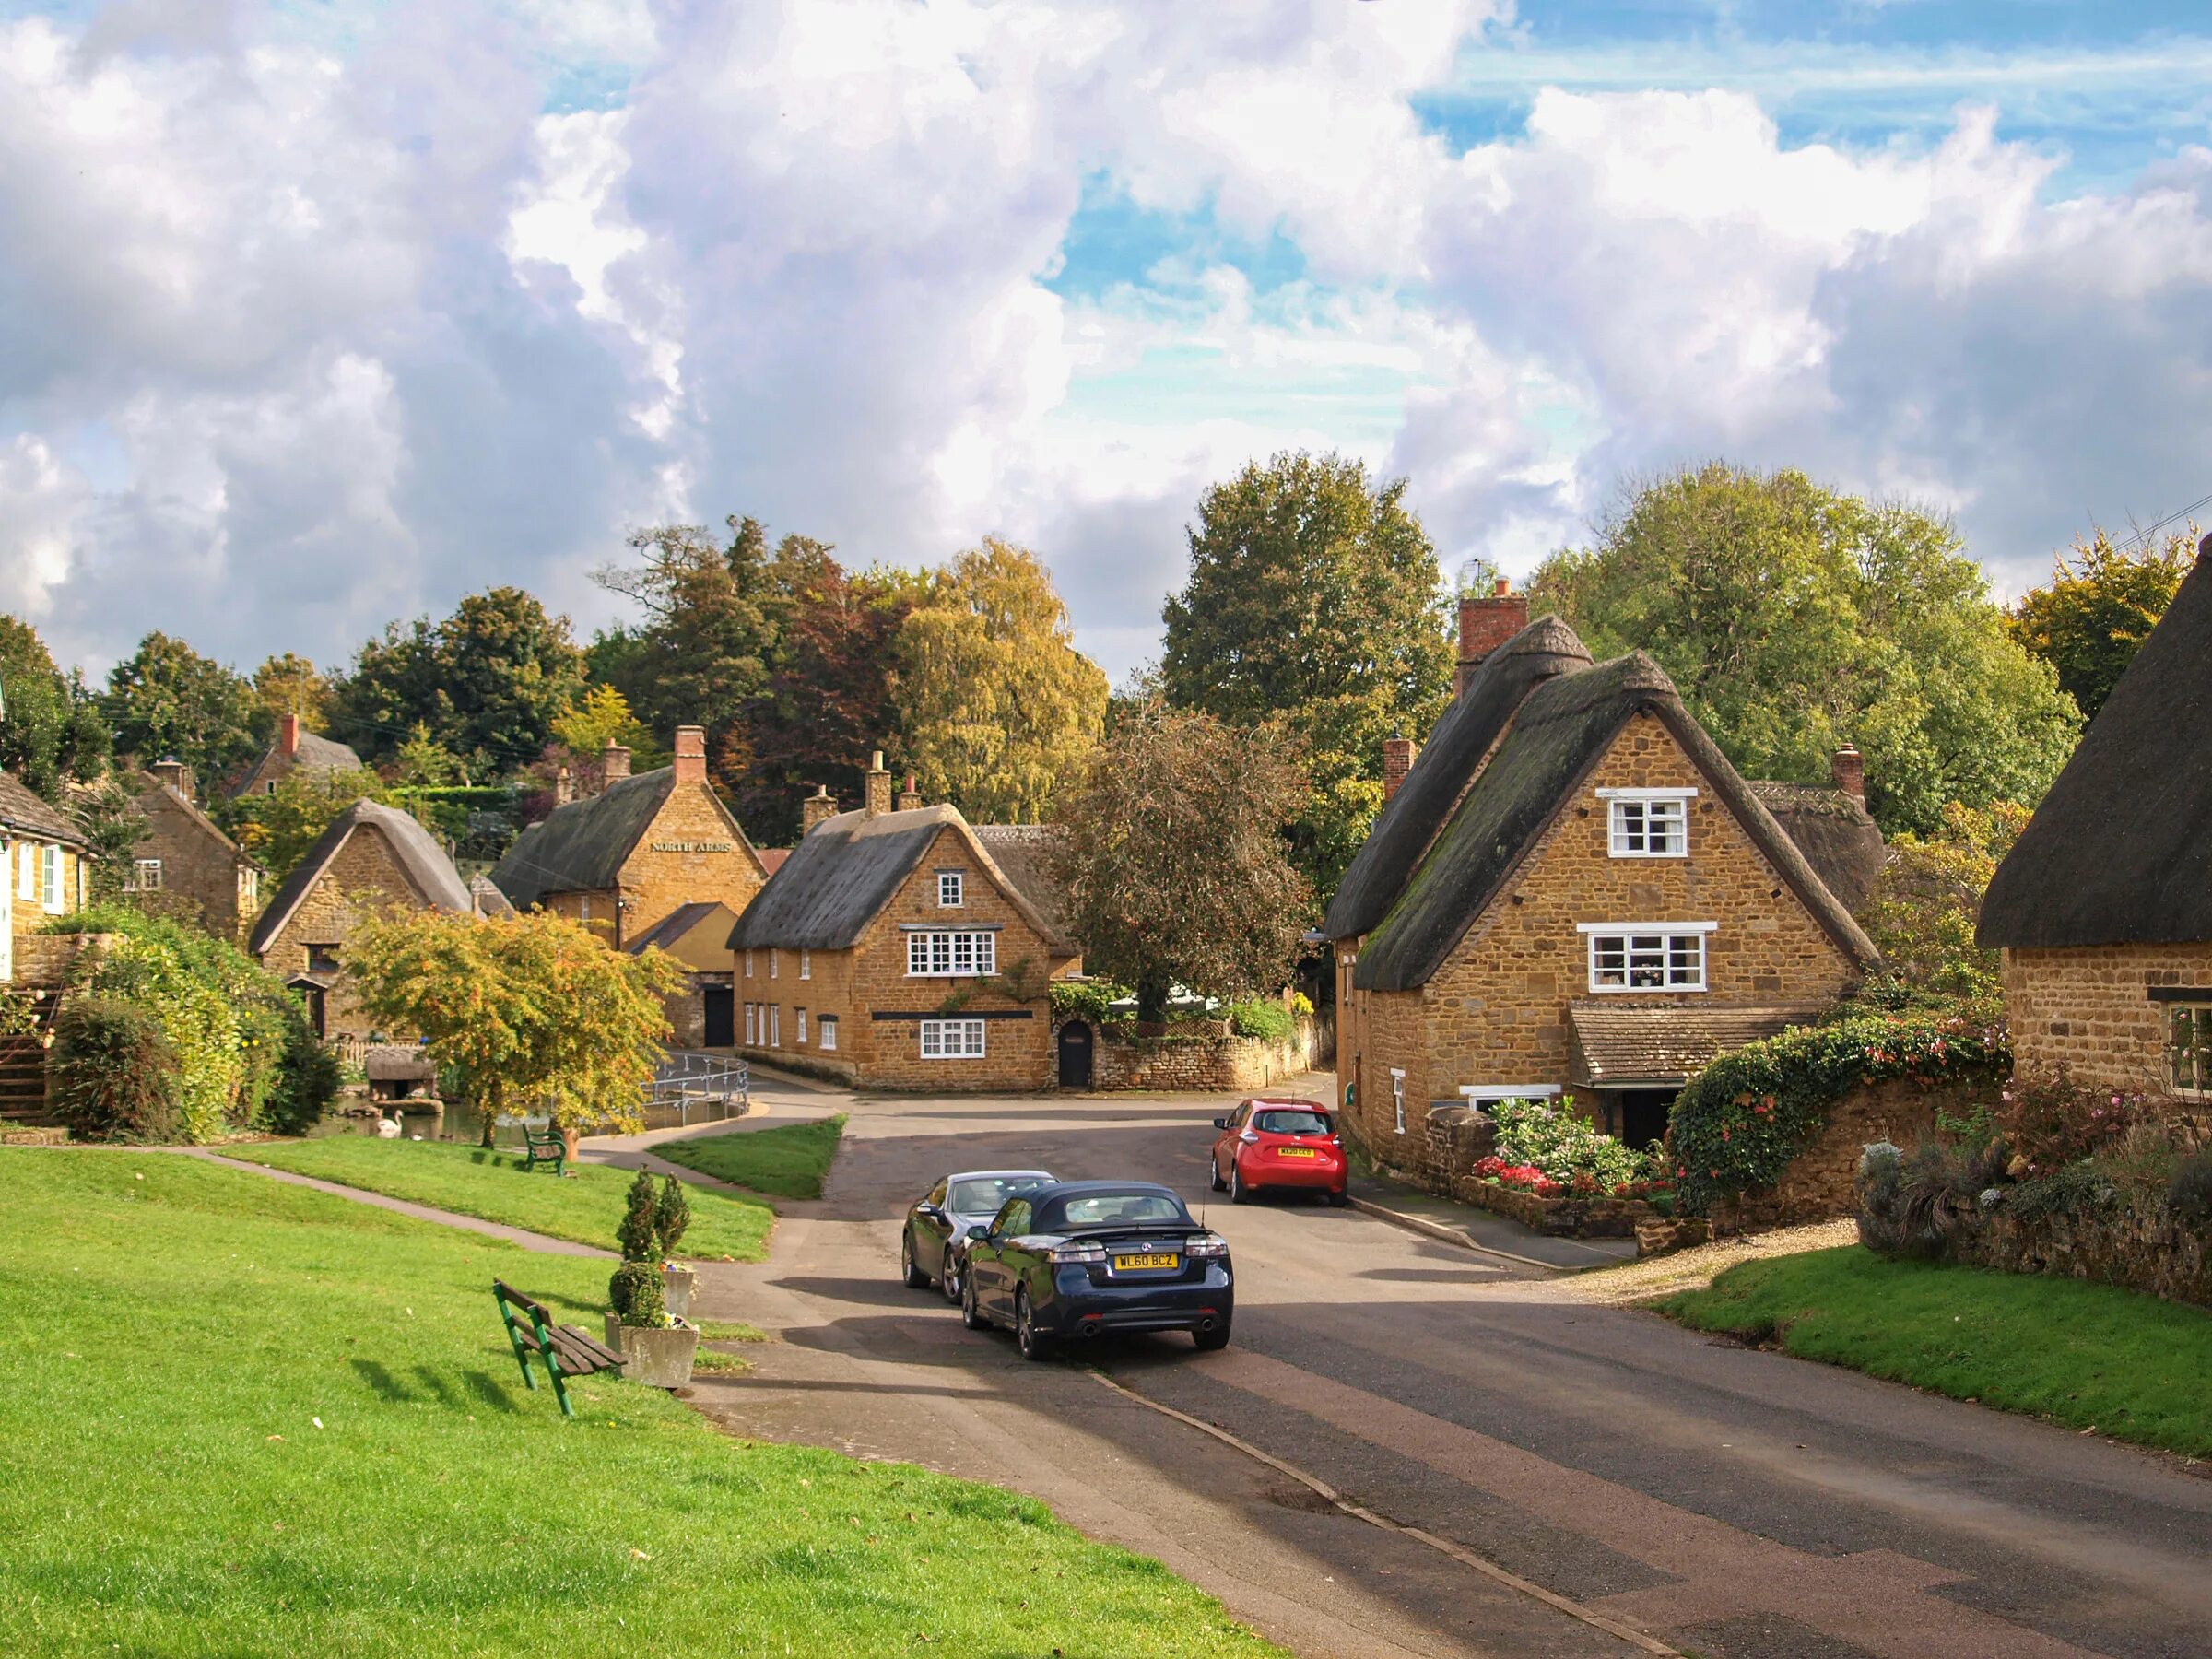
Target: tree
[288, 685]
[1174, 861]
[1922, 912]
[113, 825]
[599, 717]
[166, 699]
[995, 704]
[529, 1012]
[51, 727]
[1313, 600]
[1795, 619]
[280, 827]
[423, 761]
[2101, 605]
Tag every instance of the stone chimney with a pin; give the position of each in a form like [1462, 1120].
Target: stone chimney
[614, 764]
[1849, 770]
[564, 787]
[690, 755]
[287, 735]
[174, 773]
[1397, 760]
[1486, 621]
[910, 798]
[816, 808]
[879, 783]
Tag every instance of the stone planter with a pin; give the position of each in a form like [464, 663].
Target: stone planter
[658, 1359]
[678, 1285]
[1565, 1217]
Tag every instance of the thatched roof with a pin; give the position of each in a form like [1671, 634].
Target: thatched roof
[27, 812]
[486, 895]
[420, 859]
[1020, 851]
[1404, 828]
[580, 848]
[1563, 728]
[2119, 851]
[1835, 832]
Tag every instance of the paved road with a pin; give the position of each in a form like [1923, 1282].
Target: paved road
[1731, 1503]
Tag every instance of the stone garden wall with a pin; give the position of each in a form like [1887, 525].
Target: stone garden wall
[1820, 1183]
[1209, 1060]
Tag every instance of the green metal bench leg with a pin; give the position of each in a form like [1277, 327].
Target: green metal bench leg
[514, 1340]
[561, 1389]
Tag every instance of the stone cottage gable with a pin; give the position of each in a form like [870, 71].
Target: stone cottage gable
[371, 855]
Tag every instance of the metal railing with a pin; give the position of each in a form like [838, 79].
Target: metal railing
[686, 1080]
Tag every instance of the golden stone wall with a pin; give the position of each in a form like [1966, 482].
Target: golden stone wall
[364, 877]
[2089, 1009]
[691, 853]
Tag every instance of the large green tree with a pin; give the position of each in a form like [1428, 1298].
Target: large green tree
[1795, 619]
[288, 684]
[166, 699]
[2102, 605]
[1313, 602]
[51, 727]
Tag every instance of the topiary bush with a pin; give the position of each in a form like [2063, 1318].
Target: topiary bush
[1269, 1021]
[671, 1216]
[639, 1234]
[636, 1297]
[112, 1074]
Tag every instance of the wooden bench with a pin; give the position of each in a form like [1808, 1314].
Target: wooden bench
[566, 1350]
[549, 1147]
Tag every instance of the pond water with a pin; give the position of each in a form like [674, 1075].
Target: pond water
[464, 1123]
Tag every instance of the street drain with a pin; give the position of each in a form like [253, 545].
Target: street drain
[1302, 1499]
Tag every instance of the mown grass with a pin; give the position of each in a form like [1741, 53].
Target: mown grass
[787, 1162]
[586, 1206]
[2084, 1355]
[172, 1330]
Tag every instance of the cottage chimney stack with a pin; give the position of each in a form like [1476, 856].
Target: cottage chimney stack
[1486, 621]
[690, 755]
[287, 735]
[910, 798]
[564, 787]
[174, 773]
[817, 809]
[614, 764]
[879, 783]
[1849, 770]
[1397, 760]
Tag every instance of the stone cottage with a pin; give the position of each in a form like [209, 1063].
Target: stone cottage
[1570, 892]
[2103, 907]
[703, 1010]
[628, 858]
[296, 749]
[371, 858]
[183, 863]
[44, 870]
[893, 951]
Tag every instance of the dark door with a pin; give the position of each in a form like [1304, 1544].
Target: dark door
[1643, 1115]
[316, 1010]
[721, 1016]
[1075, 1055]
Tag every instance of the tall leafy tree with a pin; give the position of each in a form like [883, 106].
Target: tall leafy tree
[52, 729]
[1922, 910]
[1795, 619]
[288, 684]
[1174, 860]
[995, 704]
[166, 699]
[1313, 602]
[2102, 605]
[279, 827]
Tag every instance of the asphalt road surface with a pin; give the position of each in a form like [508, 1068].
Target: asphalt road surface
[1535, 1473]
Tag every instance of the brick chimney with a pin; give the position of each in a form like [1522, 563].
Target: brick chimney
[690, 755]
[614, 764]
[879, 783]
[1397, 760]
[816, 808]
[1486, 621]
[1849, 770]
[174, 773]
[287, 735]
[910, 798]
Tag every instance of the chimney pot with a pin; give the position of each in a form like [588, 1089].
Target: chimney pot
[1502, 588]
[564, 787]
[173, 773]
[1849, 770]
[613, 763]
[910, 798]
[879, 782]
[287, 735]
[1486, 621]
[690, 755]
[816, 808]
[1397, 760]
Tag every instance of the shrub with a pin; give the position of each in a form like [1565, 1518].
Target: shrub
[112, 1072]
[636, 1296]
[2189, 1194]
[671, 1216]
[2075, 1189]
[1086, 999]
[18, 1014]
[1569, 1149]
[638, 1235]
[1912, 1204]
[307, 1077]
[1269, 1021]
[2050, 1120]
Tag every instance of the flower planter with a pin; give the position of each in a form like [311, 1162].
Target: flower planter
[1566, 1214]
[659, 1358]
[678, 1285]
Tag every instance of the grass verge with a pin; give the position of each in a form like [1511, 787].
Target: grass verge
[2089, 1356]
[249, 1419]
[787, 1162]
[585, 1207]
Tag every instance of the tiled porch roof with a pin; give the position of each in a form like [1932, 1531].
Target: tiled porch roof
[1627, 1047]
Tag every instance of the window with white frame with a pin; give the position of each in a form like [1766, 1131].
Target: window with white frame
[950, 885]
[1397, 1096]
[950, 955]
[801, 1032]
[748, 964]
[1647, 956]
[51, 897]
[752, 1025]
[27, 871]
[775, 1025]
[1648, 823]
[805, 964]
[952, 1039]
[825, 1033]
[146, 874]
[2189, 1047]
[772, 961]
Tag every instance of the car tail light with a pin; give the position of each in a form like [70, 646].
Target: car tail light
[1205, 1244]
[1249, 1139]
[1076, 1254]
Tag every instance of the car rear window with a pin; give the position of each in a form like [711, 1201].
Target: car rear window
[983, 1197]
[1290, 1123]
[1116, 1209]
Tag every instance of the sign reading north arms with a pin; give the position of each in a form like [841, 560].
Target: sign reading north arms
[694, 847]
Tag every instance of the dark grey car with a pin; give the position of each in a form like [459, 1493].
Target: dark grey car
[933, 1241]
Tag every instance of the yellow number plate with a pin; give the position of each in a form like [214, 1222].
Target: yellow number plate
[1295, 1151]
[1123, 1263]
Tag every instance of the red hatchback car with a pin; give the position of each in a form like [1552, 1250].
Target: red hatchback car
[1278, 1143]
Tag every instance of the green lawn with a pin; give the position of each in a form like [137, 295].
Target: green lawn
[2081, 1354]
[787, 1162]
[586, 1206]
[174, 1332]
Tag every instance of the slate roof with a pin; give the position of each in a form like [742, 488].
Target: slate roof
[2119, 852]
[1020, 851]
[1404, 828]
[315, 753]
[1835, 832]
[22, 810]
[841, 876]
[1563, 728]
[580, 848]
[420, 858]
[674, 926]
[1626, 1047]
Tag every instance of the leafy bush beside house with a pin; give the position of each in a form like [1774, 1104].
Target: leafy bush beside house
[1567, 1149]
[113, 1074]
[1269, 1021]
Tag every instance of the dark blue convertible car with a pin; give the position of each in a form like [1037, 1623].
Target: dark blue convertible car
[1086, 1257]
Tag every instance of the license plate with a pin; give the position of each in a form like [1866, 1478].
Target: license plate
[1296, 1152]
[1124, 1264]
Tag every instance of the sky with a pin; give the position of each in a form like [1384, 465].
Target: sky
[319, 314]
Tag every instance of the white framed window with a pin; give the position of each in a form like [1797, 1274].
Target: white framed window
[2189, 1047]
[952, 1039]
[950, 885]
[748, 964]
[583, 908]
[950, 955]
[775, 1025]
[772, 961]
[1397, 1096]
[752, 1025]
[1484, 1094]
[801, 1032]
[805, 964]
[1647, 956]
[146, 874]
[27, 871]
[51, 897]
[1648, 823]
[825, 1033]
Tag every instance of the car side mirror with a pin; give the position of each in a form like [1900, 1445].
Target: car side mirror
[1220, 1123]
[928, 1210]
[976, 1235]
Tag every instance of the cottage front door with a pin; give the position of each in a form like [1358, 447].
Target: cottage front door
[719, 1003]
[1075, 1054]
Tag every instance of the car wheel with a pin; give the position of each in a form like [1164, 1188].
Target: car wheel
[1034, 1344]
[1213, 1340]
[913, 1275]
[1337, 1200]
[970, 1316]
[949, 1277]
[1238, 1192]
[1213, 1168]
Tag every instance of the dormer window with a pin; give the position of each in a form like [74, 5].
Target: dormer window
[1648, 823]
[950, 885]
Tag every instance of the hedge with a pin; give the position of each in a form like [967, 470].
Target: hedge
[1737, 1125]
